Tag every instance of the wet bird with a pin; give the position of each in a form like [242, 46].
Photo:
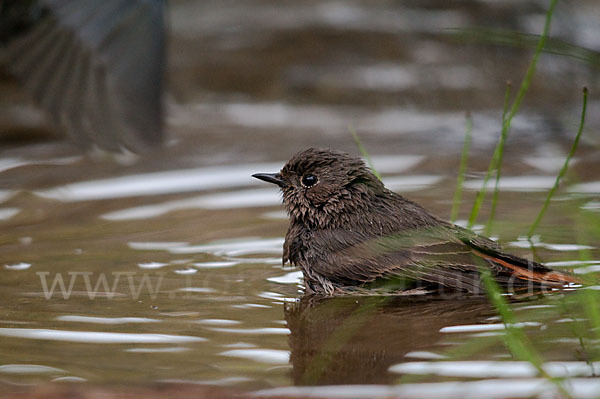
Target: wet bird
[95, 67]
[348, 233]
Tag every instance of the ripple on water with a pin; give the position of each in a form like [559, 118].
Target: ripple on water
[176, 349]
[269, 196]
[424, 355]
[251, 306]
[186, 271]
[156, 246]
[587, 269]
[28, 369]
[522, 388]
[12, 163]
[266, 260]
[275, 296]
[171, 182]
[522, 242]
[5, 195]
[396, 163]
[197, 290]
[96, 337]
[229, 200]
[548, 163]
[253, 331]
[217, 322]
[393, 77]
[215, 265]
[287, 116]
[486, 327]
[18, 266]
[411, 183]
[219, 382]
[236, 345]
[106, 320]
[516, 183]
[234, 247]
[577, 266]
[592, 206]
[152, 265]
[7, 213]
[494, 369]
[270, 356]
[586, 188]
[571, 263]
[288, 278]
[69, 378]
[276, 215]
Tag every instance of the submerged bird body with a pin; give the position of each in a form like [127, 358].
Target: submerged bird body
[348, 232]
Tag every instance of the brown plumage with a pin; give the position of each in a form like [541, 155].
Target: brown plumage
[349, 233]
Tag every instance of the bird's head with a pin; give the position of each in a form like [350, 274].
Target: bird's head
[321, 186]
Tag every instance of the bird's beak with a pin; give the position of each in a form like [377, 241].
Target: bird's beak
[271, 178]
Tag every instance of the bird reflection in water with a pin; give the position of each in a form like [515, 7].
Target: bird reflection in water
[335, 340]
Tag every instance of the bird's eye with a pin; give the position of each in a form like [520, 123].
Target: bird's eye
[309, 180]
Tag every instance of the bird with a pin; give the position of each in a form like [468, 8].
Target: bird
[348, 233]
[95, 67]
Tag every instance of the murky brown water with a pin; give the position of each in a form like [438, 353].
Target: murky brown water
[171, 263]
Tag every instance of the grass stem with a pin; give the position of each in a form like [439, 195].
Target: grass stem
[462, 168]
[506, 123]
[488, 227]
[363, 151]
[564, 168]
[515, 339]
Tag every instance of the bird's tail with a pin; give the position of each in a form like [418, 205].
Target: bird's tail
[531, 271]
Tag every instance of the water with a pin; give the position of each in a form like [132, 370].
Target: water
[167, 268]
[169, 288]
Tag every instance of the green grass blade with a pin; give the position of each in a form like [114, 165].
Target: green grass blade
[481, 193]
[363, 151]
[495, 162]
[564, 168]
[488, 227]
[531, 70]
[515, 339]
[506, 100]
[589, 298]
[513, 39]
[462, 168]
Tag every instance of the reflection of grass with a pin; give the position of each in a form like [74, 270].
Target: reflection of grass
[515, 339]
[586, 299]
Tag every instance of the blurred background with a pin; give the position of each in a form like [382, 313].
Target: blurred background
[287, 75]
[246, 85]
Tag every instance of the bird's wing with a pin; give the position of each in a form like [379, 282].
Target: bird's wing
[431, 254]
[95, 67]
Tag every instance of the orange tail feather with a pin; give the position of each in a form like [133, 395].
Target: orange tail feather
[549, 278]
